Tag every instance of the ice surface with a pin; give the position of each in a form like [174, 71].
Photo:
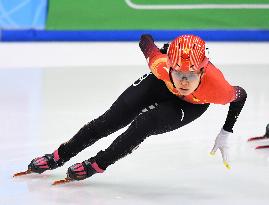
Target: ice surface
[43, 107]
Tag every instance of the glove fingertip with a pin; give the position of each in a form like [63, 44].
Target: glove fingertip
[212, 153]
[227, 165]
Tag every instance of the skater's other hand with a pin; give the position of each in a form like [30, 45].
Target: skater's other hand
[146, 44]
[221, 143]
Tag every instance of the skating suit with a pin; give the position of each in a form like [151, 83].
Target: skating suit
[152, 106]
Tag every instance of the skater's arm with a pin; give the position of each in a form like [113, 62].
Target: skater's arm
[219, 91]
[155, 58]
[221, 141]
[235, 108]
[148, 47]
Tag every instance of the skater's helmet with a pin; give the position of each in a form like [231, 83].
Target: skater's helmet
[187, 53]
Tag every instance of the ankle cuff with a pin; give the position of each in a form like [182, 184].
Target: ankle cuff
[56, 155]
[97, 168]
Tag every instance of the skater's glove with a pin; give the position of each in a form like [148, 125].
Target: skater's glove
[147, 45]
[221, 143]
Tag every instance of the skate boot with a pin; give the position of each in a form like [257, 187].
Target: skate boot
[83, 170]
[46, 162]
[267, 131]
[265, 136]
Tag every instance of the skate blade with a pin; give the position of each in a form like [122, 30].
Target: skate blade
[257, 138]
[262, 147]
[22, 173]
[62, 181]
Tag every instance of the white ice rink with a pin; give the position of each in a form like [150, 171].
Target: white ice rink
[43, 106]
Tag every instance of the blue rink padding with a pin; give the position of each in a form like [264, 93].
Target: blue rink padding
[130, 35]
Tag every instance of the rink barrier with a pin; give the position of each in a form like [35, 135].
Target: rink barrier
[129, 35]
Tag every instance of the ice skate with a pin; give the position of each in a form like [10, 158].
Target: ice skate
[42, 164]
[264, 137]
[80, 171]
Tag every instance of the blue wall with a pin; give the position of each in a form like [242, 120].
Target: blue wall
[25, 20]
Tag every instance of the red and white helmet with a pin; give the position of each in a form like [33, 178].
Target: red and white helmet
[187, 53]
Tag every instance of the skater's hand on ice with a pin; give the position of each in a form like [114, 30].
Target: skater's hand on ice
[221, 143]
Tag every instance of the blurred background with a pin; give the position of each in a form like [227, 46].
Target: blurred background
[120, 23]
[64, 62]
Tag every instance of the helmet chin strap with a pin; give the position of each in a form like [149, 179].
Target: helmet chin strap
[170, 76]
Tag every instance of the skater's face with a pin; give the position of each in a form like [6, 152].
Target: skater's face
[186, 82]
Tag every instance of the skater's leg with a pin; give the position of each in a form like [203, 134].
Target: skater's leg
[166, 117]
[144, 92]
[118, 116]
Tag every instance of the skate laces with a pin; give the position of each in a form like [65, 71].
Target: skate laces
[48, 161]
[77, 172]
[42, 162]
[79, 169]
